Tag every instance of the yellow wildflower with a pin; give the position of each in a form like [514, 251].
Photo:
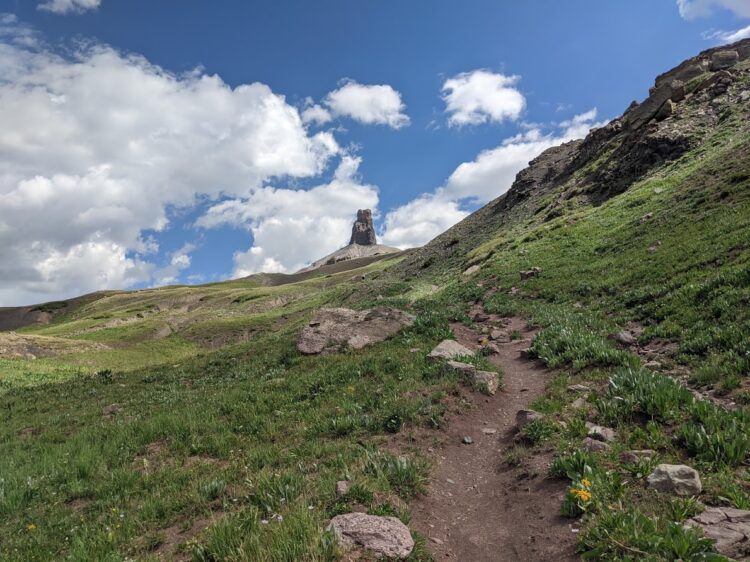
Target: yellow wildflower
[586, 483]
[31, 526]
[583, 495]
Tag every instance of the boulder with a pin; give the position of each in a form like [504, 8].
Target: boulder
[335, 329]
[471, 270]
[635, 456]
[500, 335]
[485, 381]
[342, 488]
[525, 417]
[678, 91]
[624, 338]
[666, 110]
[595, 446]
[643, 113]
[729, 527]
[678, 479]
[600, 433]
[384, 537]
[464, 369]
[723, 59]
[528, 274]
[449, 349]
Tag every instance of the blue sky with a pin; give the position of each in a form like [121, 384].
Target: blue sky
[149, 142]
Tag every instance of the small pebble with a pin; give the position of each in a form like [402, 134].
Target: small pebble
[467, 440]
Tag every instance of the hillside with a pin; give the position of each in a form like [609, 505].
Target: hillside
[183, 422]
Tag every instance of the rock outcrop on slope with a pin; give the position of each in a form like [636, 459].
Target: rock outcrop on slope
[363, 244]
[685, 105]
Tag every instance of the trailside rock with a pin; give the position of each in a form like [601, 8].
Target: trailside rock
[334, 329]
[486, 381]
[624, 338]
[385, 537]
[678, 479]
[528, 274]
[449, 349]
[595, 446]
[363, 232]
[525, 417]
[342, 488]
[635, 456]
[729, 527]
[600, 433]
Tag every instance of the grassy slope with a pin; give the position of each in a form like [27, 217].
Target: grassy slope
[234, 438]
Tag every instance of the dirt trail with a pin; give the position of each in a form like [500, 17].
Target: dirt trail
[479, 509]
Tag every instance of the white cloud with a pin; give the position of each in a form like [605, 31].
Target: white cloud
[69, 6]
[314, 113]
[692, 9]
[725, 37]
[291, 227]
[482, 96]
[483, 179]
[96, 147]
[368, 104]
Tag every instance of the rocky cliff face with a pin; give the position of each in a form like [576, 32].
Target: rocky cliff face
[363, 231]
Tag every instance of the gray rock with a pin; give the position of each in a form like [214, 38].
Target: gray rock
[595, 446]
[601, 433]
[578, 388]
[464, 369]
[449, 349]
[342, 488]
[666, 110]
[384, 537]
[579, 403]
[111, 410]
[485, 381]
[636, 456]
[471, 270]
[643, 113]
[678, 91]
[334, 329]
[500, 336]
[528, 274]
[467, 440]
[624, 338]
[723, 59]
[525, 417]
[678, 479]
[729, 527]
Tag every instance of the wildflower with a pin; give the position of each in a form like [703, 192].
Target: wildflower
[581, 494]
[585, 483]
[31, 526]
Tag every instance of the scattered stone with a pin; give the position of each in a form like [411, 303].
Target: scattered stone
[489, 430]
[334, 329]
[467, 440]
[723, 59]
[500, 336]
[579, 403]
[383, 536]
[480, 317]
[528, 274]
[436, 540]
[666, 110]
[635, 456]
[462, 368]
[624, 338]
[525, 417]
[652, 365]
[578, 388]
[486, 381]
[729, 527]
[595, 446]
[647, 217]
[449, 349]
[679, 479]
[600, 433]
[490, 349]
[472, 270]
[514, 291]
[111, 410]
[342, 488]
[745, 96]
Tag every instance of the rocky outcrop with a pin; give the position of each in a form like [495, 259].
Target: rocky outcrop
[335, 329]
[729, 527]
[383, 537]
[678, 479]
[363, 232]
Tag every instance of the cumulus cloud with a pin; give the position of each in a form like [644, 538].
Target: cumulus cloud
[483, 179]
[368, 104]
[316, 114]
[726, 37]
[97, 146]
[482, 96]
[69, 6]
[692, 9]
[290, 227]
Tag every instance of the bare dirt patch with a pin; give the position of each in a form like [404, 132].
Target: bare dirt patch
[478, 508]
